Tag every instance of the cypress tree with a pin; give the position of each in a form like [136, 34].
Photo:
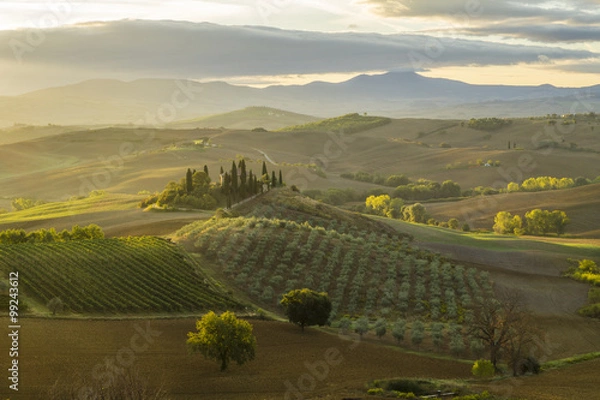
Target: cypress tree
[243, 177]
[251, 189]
[189, 187]
[206, 169]
[280, 179]
[234, 181]
[264, 169]
[273, 179]
[226, 187]
[221, 172]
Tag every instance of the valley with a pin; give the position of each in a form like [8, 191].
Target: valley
[247, 256]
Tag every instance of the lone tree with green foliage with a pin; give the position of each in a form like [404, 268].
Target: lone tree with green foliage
[223, 338]
[306, 307]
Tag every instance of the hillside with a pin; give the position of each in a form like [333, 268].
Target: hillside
[248, 118]
[113, 276]
[366, 268]
[580, 204]
[350, 123]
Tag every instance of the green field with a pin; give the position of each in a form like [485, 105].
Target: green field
[125, 275]
[101, 202]
[496, 242]
[350, 123]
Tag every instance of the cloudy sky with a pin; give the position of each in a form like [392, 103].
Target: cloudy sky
[261, 42]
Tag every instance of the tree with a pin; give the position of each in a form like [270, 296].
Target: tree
[505, 222]
[206, 170]
[437, 334]
[306, 307]
[494, 322]
[399, 329]
[188, 181]
[234, 181]
[417, 332]
[55, 305]
[521, 336]
[280, 183]
[380, 327]
[243, 179]
[362, 326]
[345, 324]
[223, 338]
[273, 179]
[453, 223]
[396, 180]
[415, 213]
[264, 169]
[558, 221]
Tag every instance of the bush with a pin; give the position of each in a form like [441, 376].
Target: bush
[374, 391]
[483, 369]
[529, 365]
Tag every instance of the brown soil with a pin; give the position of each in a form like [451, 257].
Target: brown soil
[53, 350]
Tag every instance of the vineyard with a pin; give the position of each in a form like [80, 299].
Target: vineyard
[122, 275]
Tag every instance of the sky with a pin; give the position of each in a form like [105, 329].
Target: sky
[261, 42]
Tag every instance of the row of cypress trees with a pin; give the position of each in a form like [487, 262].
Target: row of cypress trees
[238, 183]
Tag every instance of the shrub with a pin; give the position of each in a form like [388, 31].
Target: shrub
[345, 325]
[380, 327]
[361, 326]
[417, 333]
[374, 391]
[529, 365]
[483, 369]
[399, 329]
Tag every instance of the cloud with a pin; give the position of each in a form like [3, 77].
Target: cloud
[132, 49]
[547, 33]
[542, 20]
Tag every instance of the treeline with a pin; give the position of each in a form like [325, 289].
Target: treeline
[349, 123]
[421, 189]
[390, 180]
[394, 208]
[541, 183]
[488, 124]
[385, 206]
[535, 222]
[196, 189]
[16, 236]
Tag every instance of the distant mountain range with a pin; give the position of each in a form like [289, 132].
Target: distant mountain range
[394, 94]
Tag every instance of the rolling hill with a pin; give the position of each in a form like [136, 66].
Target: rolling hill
[248, 118]
[579, 203]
